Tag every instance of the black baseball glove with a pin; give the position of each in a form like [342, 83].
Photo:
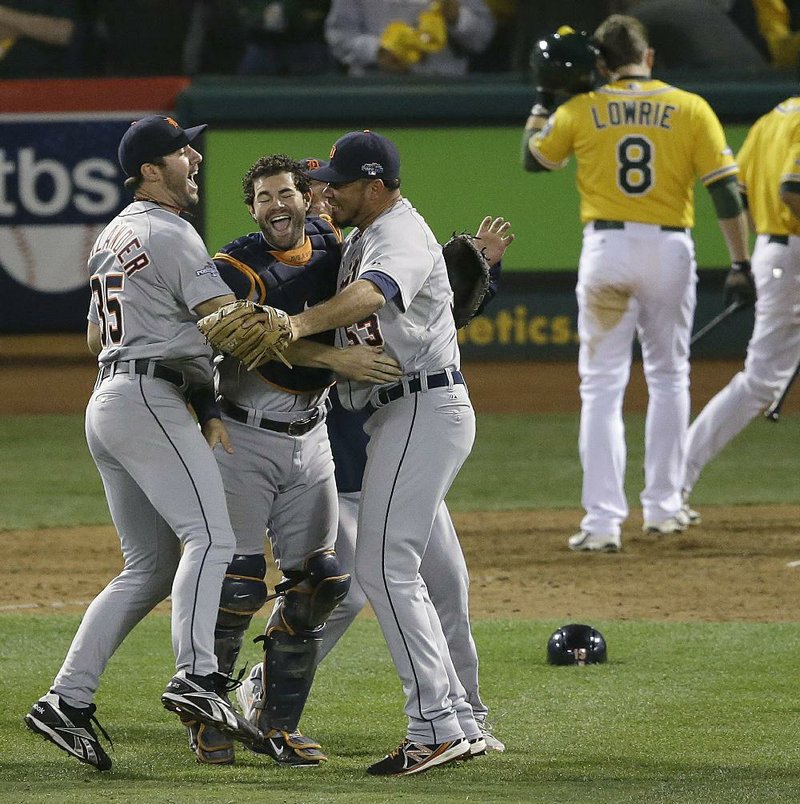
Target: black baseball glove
[468, 272]
[740, 285]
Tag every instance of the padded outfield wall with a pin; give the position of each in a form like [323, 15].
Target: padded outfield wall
[460, 148]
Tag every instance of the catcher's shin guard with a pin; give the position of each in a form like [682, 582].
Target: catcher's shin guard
[292, 640]
[243, 594]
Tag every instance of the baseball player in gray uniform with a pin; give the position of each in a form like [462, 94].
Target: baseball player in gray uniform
[151, 277]
[281, 477]
[393, 292]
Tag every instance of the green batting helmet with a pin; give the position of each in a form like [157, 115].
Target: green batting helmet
[565, 61]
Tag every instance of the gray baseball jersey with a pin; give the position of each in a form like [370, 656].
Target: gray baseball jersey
[420, 434]
[149, 269]
[417, 329]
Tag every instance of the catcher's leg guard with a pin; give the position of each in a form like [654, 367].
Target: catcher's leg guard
[291, 643]
[243, 594]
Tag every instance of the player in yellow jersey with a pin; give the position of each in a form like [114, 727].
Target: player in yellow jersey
[769, 162]
[640, 144]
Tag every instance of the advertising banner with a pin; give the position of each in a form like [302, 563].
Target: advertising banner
[59, 185]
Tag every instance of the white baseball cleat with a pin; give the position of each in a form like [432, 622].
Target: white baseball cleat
[601, 542]
[674, 524]
[687, 515]
[250, 692]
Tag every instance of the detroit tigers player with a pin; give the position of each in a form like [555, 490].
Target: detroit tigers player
[151, 276]
[280, 477]
[639, 144]
[393, 291]
[443, 568]
[770, 180]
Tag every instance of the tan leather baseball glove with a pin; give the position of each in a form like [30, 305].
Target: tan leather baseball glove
[263, 340]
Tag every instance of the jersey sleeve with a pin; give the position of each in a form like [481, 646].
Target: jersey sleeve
[712, 158]
[554, 144]
[405, 253]
[790, 169]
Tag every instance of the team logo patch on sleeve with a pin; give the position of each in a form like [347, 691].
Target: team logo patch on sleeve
[210, 269]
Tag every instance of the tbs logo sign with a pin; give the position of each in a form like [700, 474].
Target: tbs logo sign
[60, 172]
[60, 184]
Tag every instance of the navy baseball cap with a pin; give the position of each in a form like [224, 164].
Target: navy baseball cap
[359, 155]
[311, 163]
[150, 138]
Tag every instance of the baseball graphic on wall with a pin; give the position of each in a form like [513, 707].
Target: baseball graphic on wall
[51, 258]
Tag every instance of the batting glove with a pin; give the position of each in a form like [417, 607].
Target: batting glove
[740, 286]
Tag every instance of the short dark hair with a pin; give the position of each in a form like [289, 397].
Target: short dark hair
[272, 165]
[133, 183]
[622, 40]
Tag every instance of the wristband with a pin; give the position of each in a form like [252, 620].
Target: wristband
[204, 402]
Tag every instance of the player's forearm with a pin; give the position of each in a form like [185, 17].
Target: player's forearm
[44, 28]
[355, 303]
[734, 230]
[93, 341]
[791, 199]
[305, 352]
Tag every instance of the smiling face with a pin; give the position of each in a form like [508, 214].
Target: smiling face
[279, 209]
[178, 172]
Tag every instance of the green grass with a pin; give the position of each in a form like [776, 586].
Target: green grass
[48, 478]
[688, 713]
[680, 713]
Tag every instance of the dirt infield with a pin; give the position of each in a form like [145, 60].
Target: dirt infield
[733, 567]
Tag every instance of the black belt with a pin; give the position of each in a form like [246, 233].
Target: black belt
[782, 240]
[296, 428]
[599, 226]
[141, 366]
[439, 380]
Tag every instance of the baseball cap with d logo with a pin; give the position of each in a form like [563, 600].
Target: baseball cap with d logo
[360, 155]
[150, 138]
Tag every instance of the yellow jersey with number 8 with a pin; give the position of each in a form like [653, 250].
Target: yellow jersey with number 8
[640, 145]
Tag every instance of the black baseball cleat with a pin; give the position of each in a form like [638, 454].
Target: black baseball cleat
[289, 748]
[198, 698]
[411, 757]
[70, 728]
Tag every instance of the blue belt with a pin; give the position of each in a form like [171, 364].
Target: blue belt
[599, 226]
[782, 240]
[398, 390]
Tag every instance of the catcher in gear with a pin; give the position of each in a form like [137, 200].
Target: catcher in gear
[280, 478]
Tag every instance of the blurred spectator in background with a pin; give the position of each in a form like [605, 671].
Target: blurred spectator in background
[143, 37]
[778, 23]
[417, 37]
[497, 56]
[36, 38]
[285, 37]
[694, 34]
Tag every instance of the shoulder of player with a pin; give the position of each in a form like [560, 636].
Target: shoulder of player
[170, 236]
[322, 232]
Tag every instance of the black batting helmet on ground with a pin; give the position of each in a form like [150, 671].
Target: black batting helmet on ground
[576, 644]
[565, 61]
